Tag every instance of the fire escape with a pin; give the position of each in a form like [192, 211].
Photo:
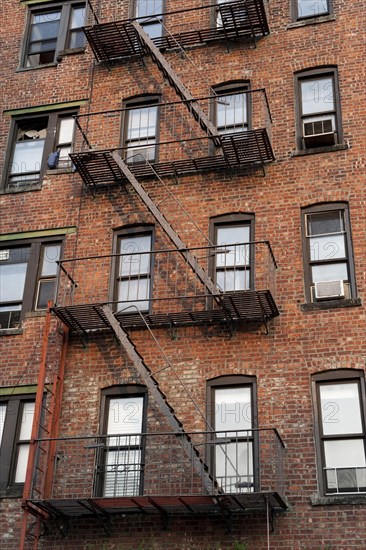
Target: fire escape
[183, 293]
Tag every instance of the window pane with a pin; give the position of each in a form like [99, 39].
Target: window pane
[12, 280]
[317, 95]
[135, 263]
[233, 410]
[327, 248]
[148, 7]
[233, 279]
[27, 156]
[133, 294]
[329, 272]
[2, 419]
[308, 8]
[77, 18]
[123, 471]
[27, 420]
[234, 466]
[22, 461]
[325, 223]
[45, 27]
[46, 292]
[125, 417]
[231, 110]
[344, 453]
[142, 123]
[340, 409]
[51, 253]
[66, 130]
[237, 255]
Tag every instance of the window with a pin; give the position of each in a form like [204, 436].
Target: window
[312, 8]
[231, 107]
[28, 277]
[319, 120]
[232, 412]
[53, 29]
[34, 138]
[120, 471]
[339, 402]
[234, 255]
[230, 17]
[16, 419]
[149, 9]
[329, 270]
[133, 270]
[140, 130]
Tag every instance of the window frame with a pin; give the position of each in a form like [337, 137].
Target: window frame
[133, 230]
[332, 377]
[119, 391]
[297, 17]
[10, 442]
[236, 220]
[138, 102]
[313, 74]
[145, 25]
[235, 381]
[32, 276]
[230, 88]
[50, 145]
[308, 263]
[65, 7]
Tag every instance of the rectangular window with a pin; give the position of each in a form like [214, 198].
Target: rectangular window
[16, 420]
[319, 122]
[234, 448]
[133, 279]
[328, 253]
[151, 11]
[28, 277]
[234, 254]
[340, 409]
[34, 138]
[51, 29]
[312, 8]
[140, 132]
[231, 109]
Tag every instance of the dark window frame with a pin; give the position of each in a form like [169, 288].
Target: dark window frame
[127, 231]
[332, 377]
[119, 391]
[53, 118]
[62, 41]
[235, 381]
[309, 75]
[236, 219]
[10, 442]
[232, 87]
[308, 263]
[35, 255]
[298, 17]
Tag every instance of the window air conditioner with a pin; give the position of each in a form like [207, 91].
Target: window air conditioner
[329, 289]
[319, 133]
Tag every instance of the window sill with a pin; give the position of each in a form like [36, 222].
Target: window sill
[45, 66]
[63, 170]
[10, 331]
[317, 150]
[37, 187]
[70, 51]
[316, 500]
[331, 304]
[31, 314]
[311, 21]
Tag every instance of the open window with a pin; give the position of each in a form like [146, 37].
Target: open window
[140, 128]
[328, 256]
[232, 413]
[339, 409]
[52, 28]
[233, 262]
[319, 112]
[28, 278]
[120, 461]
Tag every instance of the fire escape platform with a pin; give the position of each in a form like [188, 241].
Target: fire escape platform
[251, 306]
[99, 169]
[119, 40]
[192, 504]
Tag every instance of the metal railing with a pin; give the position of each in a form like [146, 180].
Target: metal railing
[155, 280]
[126, 465]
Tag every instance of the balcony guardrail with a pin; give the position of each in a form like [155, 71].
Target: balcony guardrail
[159, 287]
[119, 470]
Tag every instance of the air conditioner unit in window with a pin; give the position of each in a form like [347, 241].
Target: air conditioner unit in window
[324, 290]
[319, 133]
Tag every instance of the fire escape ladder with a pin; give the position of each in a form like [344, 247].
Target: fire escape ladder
[174, 80]
[39, 475]
[176, 240]
[152, 385]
